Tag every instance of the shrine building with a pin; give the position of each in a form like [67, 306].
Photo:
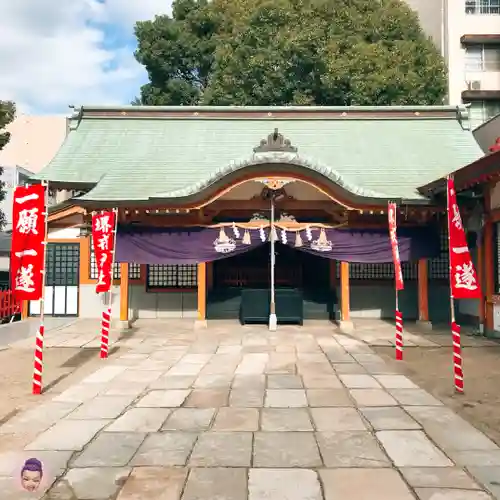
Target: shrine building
[194, 188]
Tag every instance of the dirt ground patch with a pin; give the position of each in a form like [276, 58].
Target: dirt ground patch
[63, 367]
[431, 369]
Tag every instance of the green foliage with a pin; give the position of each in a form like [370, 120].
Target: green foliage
[7, 114]
[289, 52]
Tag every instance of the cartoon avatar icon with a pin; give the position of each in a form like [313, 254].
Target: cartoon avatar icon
[31, 474]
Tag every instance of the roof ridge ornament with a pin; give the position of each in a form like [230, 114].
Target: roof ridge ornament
[275, 142]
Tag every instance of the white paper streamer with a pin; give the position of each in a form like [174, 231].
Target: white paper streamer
[262, 234]
[309, 233]
[236, 231]
[283, 237]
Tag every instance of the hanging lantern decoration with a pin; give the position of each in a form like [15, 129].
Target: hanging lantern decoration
[246, 238]
[262, 234]
[309, 233]
[283, 237]
[298, 239]
[236, 231]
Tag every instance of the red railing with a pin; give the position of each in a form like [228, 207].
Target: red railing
[9, 306]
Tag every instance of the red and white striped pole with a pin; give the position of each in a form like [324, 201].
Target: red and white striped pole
[105, 324]
[457, 358]
[38, 360]
[38, 363]
[399, 335]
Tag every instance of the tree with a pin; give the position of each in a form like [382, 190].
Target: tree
[7, 114]
[289, 52]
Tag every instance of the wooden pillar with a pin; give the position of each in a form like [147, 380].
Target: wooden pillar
[202, 291]
[480, 277]
[344, 291]
[489, 274]
[423, 290]
[124, 293]
[25, 309]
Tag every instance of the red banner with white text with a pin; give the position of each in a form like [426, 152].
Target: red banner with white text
[398, 274]
[463, 277]
[28, 239]
[103, 239]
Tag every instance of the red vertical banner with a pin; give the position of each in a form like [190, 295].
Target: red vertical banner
[463, 276]
[398, 275]
[27, 258]
[103, 240]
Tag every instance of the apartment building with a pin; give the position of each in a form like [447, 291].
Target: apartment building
[467, 32]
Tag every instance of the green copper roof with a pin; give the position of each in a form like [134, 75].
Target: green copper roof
[138, 153]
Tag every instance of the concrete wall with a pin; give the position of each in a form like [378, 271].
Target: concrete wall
[141, 303]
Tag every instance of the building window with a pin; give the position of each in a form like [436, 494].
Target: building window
[134, 270]
[164, 276]
[482, 58]
[482, 6]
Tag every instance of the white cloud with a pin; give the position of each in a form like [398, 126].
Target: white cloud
[53, 52]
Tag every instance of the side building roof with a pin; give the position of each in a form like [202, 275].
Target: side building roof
[139, 154]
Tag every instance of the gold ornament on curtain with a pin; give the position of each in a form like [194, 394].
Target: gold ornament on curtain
[322, 244]
[224, 244]
[298, 239]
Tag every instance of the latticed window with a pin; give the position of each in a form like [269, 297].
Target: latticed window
[134, 270]
[482, 6]
[439, 268]
[383, 271]
[172, 276]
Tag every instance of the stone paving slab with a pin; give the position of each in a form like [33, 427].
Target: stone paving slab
[247, 414]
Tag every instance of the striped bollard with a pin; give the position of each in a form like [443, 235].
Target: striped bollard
[38, 362]
[106, 320]
[399, 335]
[457, 358]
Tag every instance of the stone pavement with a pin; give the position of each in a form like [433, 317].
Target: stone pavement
[237, 413]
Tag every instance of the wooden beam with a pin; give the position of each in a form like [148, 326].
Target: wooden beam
[202, 291]
[423, 290]
[489, 265]
[124, 292]
[344, 291]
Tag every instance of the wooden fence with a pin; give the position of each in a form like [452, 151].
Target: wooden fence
[9, 306]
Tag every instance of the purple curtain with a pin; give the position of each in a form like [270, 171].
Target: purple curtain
[193, 245]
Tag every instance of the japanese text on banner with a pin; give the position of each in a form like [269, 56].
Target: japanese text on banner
[103, 238]
[28, 239]
[395, 247]
[463, 277]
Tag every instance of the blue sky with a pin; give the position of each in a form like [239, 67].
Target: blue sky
[75, 52]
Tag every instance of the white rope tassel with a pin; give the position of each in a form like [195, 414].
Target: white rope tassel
[309, 233]
[283, 237]
[262, 234]
[236, 231]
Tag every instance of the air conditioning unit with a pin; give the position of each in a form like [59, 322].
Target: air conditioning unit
[474, 85]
